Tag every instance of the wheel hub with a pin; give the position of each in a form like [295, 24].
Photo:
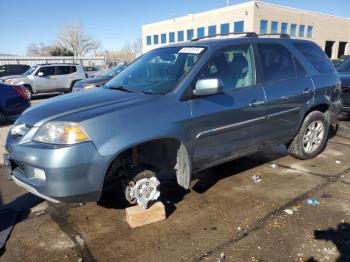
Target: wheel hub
[143, 191]
[313, 136]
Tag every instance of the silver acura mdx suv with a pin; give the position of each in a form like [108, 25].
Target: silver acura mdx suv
[48, 78]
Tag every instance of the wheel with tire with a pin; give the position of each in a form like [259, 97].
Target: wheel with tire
[343, 129]
[28, 92]
[312, 136]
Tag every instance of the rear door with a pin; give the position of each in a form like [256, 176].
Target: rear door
[64, 76]
[228, 124]
[287, 88]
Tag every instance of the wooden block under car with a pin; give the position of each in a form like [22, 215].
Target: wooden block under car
[137, 216]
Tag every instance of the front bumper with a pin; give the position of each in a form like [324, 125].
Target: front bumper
[73, 173]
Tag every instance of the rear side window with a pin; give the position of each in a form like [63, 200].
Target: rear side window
[315, 56]
[73, 69]
[63, 70]
[278, 63]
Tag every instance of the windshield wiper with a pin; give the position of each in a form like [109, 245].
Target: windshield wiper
[121, 88]
[132, 90]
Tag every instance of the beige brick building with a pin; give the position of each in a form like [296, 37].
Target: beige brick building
[332, 33]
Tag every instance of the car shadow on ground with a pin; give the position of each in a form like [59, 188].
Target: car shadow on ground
[172, 193]
[44, 96]
[15, 212]
[211, 176]
[6, 123]
[340, 237]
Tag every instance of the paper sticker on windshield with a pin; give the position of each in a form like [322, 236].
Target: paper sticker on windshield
[191, 50]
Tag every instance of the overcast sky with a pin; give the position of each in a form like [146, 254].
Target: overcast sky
[112, 22]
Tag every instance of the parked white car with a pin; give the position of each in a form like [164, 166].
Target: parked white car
[48, 78]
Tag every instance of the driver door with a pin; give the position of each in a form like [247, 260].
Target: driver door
[45, 79]
[231, 123]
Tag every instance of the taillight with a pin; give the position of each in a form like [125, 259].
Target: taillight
[21, 92]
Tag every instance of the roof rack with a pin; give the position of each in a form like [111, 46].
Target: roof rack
[245, 34]
[276, 34]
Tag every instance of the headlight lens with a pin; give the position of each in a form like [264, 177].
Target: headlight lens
[89, 86]
[62, 133]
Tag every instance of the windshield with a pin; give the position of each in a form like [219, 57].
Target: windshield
[30, 71]
[115, 70]
[158, 71]
[344, 66]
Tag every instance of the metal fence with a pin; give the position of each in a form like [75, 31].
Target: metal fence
[33, 60]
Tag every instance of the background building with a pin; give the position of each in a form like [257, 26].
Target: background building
[332, 33]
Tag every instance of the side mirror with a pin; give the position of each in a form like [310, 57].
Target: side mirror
[206, 87]
[40, 74]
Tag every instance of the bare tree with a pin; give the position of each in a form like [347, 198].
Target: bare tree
[127, 54]
[73, 38]
[38, 49]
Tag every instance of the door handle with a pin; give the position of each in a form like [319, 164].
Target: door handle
[255, 103]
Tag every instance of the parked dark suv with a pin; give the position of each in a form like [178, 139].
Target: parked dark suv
[177, 110]
[7, 70]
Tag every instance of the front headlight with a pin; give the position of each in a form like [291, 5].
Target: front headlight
[60, 132]
[89, 86]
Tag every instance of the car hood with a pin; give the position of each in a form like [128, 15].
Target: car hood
[12, 77]
[96, 80]
[74, 103]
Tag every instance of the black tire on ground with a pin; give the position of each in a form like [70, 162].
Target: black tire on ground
[28, 92]
[296, 146]
[343, 129]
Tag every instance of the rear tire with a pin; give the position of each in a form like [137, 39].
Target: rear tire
[2, 117]
[312, 136]
[343, 129]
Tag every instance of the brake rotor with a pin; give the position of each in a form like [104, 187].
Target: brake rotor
[143, 189]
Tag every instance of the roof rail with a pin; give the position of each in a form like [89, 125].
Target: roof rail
[245, 34]
[276, 34]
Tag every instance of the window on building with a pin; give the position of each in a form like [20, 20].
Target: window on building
[180, 36]
[238, 27]
[263, 26]
[155, 39]
[309, 31]
[200, 32]
[274, 27]
[225, 28]
[293, 30]
[301, 31]
[163, 38]
[284, 28]
[149, 40]
[212, 30]
[277, 62]
[189, 34]
[234, 66]
[171, 37]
